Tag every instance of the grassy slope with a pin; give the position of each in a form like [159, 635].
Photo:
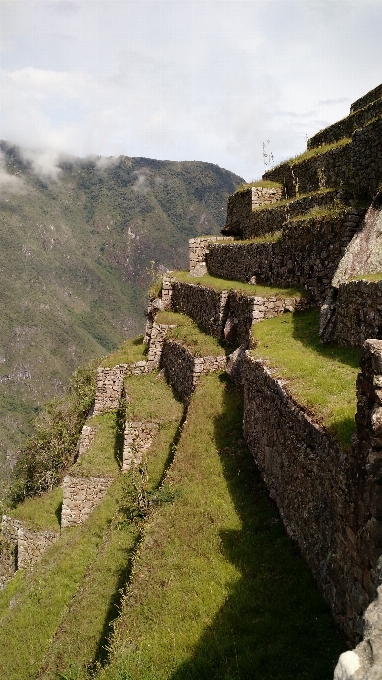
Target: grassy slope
[218, 590]
[85, 569]
[320, 377]
[74, 258]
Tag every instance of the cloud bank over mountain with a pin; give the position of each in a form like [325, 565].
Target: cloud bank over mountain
[182, 79]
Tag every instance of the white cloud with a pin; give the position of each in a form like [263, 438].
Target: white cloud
[9, 182]
[183, 79]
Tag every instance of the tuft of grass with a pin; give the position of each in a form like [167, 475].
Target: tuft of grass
[188, 334]
[215, 569]
[40, 513]
[266, 184]
[320, 377]
[220, 284]
[130, 352]
[376, 276]
[318, 151]
[272, 237]
[334, 212]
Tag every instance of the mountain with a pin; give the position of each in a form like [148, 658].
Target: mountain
[77, 254]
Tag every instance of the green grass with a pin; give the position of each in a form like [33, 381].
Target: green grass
[45, 594]
[320, 377]
[40, 513]
[333, 212]
[188, 334]
[266, 184]
[103, 458]
[377, 276]
[318, 151]
[220, 284]
[218, 591]
[150, 398]
[130, 352]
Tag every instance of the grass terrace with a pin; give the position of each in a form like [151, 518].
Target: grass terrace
[219, 285]
[215, 569]
[287, 201]
[130, 352]
[188, 334]
[40, 513]
[320, 377]
[103, 457]
[331, 211]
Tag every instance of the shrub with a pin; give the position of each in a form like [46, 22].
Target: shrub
[51, 449]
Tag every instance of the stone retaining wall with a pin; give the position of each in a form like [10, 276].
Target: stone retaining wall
[197, 251]
[307, 255]
[330, 500]
[109, 388]
[242, 203]
[157, 338]
[80, 496]
[365, 661]
[87, 437]
[183, 369]
[138, 438]
[358, 313]
[357, 164]
[270, 219]
[346, 127]
[32, 545]
[366, 99]
[332, 168]
[205, 306]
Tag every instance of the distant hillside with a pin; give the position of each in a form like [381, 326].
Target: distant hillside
[75, 261]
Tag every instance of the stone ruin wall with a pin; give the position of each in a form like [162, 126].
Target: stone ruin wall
[80, 496]
[197, 252]
[307, 255]
[357, 165]
[358, 313]
[258, 223]
[346, 127]
[183, 369]
[109, 388]
[242, 203]
[138, 438]
[228, 315]
[330, 500]
[32, 545]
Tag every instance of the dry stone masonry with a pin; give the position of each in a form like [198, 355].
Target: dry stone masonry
[87, 436]
[198, 248]
[183, 369]
[31, 546]
[80, 496]
[138, 438]
[330, 500]
[109, 388]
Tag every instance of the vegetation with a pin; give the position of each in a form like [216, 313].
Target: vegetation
[319, 377]
[220, 284]
[40, 513]
[187, 332]
[266, 184]
[333, 212]
[129, 352]
[376, 276]
[318, 151]
[215, 569]
[85, 570]
[77, 253]
[51, 449]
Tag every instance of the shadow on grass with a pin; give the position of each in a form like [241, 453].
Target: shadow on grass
[102, 654]
[274, 624]
[305, 329]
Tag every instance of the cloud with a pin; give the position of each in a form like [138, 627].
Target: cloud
[182, 80]
[8, 182]
[44, 162]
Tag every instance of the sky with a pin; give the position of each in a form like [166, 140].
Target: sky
[238, 83]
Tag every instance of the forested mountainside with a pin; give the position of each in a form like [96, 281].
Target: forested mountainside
[77, 255]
